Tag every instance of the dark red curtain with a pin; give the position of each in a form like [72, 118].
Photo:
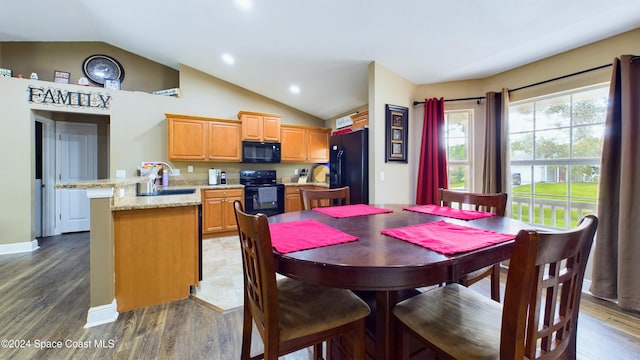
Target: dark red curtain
[432, 171]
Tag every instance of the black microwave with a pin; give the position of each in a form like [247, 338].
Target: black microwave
[260, 152]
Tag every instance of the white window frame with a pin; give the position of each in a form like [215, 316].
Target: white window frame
[470, 148]
[536, 204]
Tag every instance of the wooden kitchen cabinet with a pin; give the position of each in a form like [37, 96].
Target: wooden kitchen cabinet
[155, 255]
[293, 196]
[224, 142]
[360, 119]
[260, 126]
[203, 139]
[187, 139]
[304, 144]
[218, 216]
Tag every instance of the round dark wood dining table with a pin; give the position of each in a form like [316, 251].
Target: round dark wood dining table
[385, 266]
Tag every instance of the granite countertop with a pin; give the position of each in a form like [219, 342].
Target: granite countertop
[125, 197]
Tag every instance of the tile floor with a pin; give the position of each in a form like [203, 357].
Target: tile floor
[221, 285]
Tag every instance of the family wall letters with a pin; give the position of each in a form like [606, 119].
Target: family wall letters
[60, 97]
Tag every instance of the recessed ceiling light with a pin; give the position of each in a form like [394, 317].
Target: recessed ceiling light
[294, 89]
[244, 4]
[228, 59]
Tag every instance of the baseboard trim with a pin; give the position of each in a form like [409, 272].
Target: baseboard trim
[17, 248]
[103, 314]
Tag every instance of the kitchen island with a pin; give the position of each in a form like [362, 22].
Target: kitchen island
[143, 249]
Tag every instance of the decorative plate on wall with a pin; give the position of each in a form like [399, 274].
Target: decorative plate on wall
[100, 67]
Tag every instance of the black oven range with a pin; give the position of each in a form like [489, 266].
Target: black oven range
[262, 193]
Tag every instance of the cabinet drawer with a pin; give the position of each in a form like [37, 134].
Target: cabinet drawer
[222, 193]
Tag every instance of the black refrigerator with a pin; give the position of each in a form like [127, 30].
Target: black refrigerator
[349, 164]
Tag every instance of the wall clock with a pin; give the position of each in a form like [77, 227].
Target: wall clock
[100, 67]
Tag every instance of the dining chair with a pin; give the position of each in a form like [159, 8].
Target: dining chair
[289, 314]
[325, 197]
[495, 203]
[539, 317]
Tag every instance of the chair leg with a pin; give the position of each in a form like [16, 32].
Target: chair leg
[359, 341]
[246, 335]
[495, 282]
[402, 343]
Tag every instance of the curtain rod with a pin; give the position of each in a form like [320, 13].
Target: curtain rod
[634, 58]
[460, 99]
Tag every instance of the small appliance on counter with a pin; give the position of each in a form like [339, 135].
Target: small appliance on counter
[223, 177]
[213, 176]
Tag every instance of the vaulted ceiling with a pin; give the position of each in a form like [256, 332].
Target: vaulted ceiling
[324, 47]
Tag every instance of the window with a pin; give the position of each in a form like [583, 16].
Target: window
[458, 139]
[555, 146]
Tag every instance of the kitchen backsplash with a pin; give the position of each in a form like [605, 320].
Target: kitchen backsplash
[201, 172]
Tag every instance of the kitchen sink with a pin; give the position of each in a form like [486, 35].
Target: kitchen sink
[160, 192]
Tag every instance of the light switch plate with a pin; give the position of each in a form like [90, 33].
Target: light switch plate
[175, 172]
[121, 174]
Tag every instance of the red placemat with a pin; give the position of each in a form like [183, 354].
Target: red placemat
[450, 212]
[351, 210]
[305, 234]
[447, 238]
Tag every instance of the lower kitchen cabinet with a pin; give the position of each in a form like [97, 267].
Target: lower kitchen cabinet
[218, 215]
[293, 196]
[156, 255]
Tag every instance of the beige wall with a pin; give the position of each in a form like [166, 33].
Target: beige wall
[43, 58]
[398, 187]
[136, 132]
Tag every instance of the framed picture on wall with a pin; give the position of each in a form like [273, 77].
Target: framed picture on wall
[397, 124]
[61, 77]
[112, 84]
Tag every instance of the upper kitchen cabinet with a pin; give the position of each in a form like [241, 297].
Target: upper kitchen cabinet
[360, 119]
[304, 144]
[195, 138]
[260, 126]
[187, 139]
[224, 141]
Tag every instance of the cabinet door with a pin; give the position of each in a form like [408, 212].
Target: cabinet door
[318, 146]
[212, 210]
[293, 147]
[271, 128]
[224, 142]
[251, 127]
[360, 119]
[292, 199]
[229, 216]
[187, 139]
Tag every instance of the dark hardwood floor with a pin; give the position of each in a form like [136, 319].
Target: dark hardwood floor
[44, 298]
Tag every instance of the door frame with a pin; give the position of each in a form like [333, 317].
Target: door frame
[48, 176]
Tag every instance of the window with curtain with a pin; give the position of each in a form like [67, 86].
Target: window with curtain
[555, 147]
[458, 139]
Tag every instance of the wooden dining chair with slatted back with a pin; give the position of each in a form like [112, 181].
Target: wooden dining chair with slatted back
[495, 203]
[325, 197]
[289, 314]
[539, 317]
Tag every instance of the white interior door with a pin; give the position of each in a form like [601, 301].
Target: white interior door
[76, 161]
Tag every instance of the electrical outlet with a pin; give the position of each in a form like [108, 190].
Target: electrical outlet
[190, 168]
[175, 172]
[121, 174]
[295, 171]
